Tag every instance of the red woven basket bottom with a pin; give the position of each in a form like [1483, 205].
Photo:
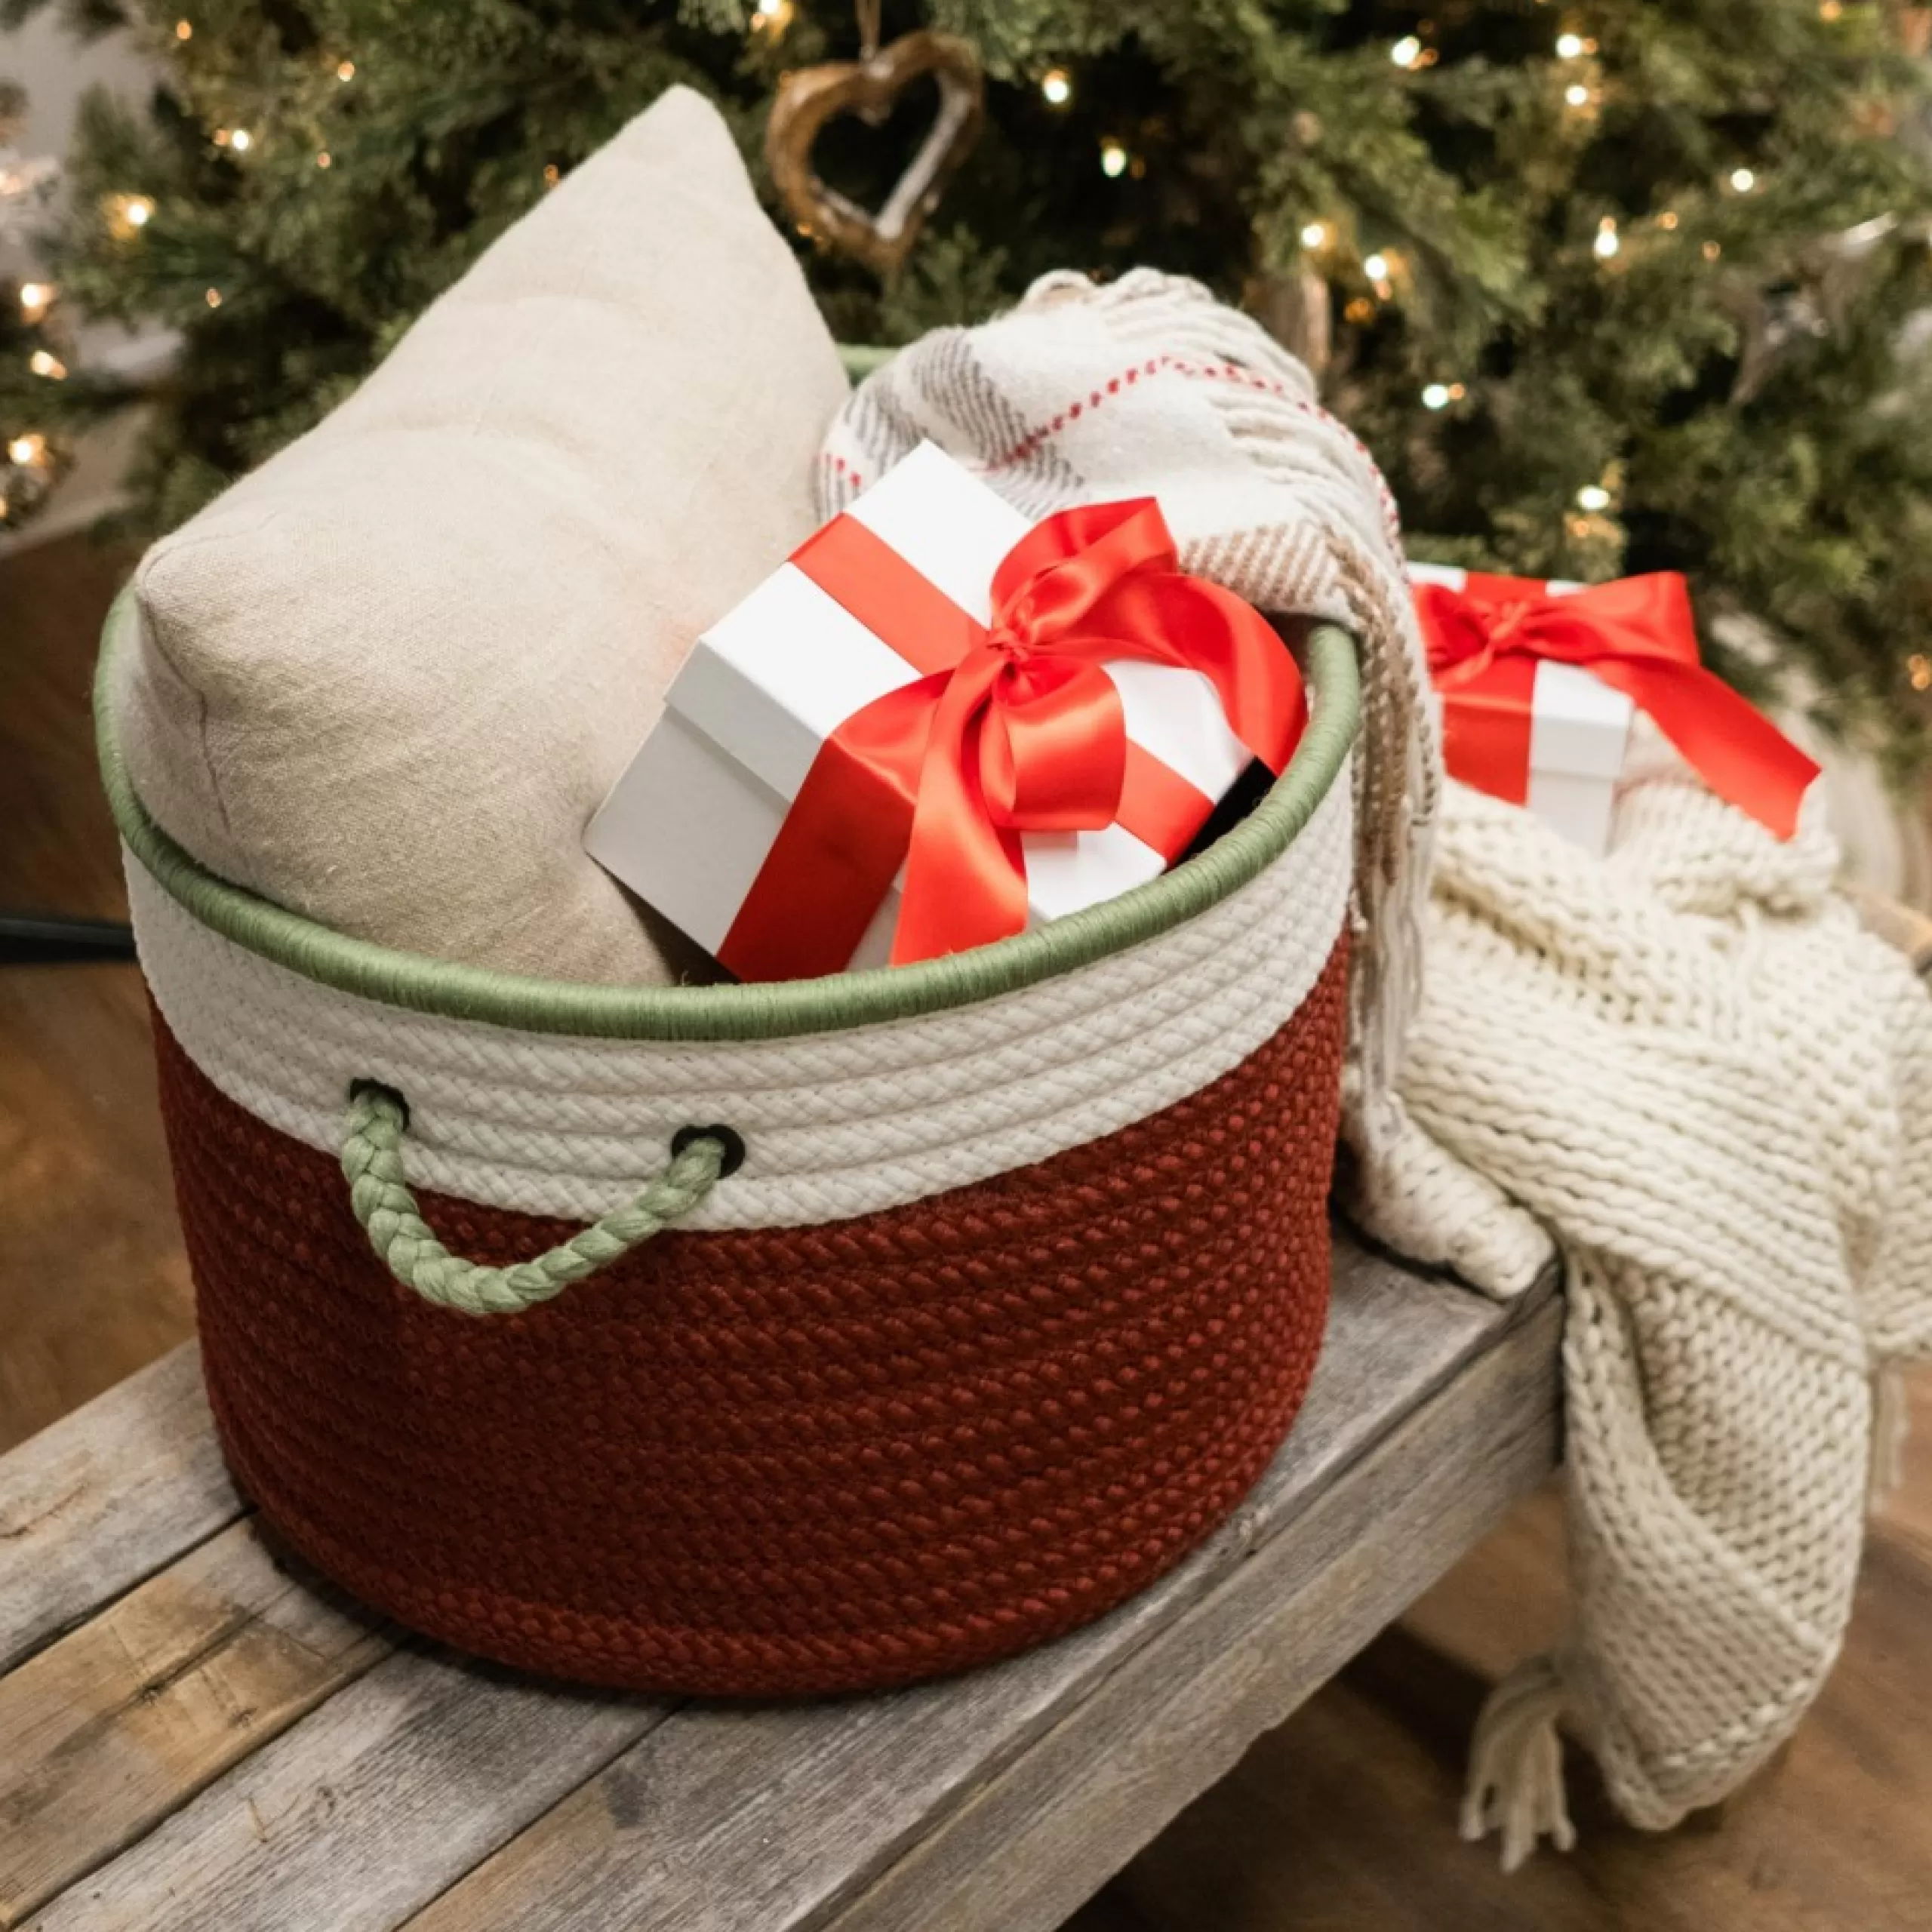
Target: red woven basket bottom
[787, 1460]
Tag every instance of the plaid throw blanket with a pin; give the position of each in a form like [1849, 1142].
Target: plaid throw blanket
[1148, 386]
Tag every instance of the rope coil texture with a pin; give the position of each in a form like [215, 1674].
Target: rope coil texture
[372, 1161]
[777, 1460]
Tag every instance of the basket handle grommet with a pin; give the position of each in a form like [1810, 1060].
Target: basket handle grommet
[728, 1138]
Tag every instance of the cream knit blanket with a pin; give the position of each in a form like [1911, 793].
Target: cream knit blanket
[1686, 1066]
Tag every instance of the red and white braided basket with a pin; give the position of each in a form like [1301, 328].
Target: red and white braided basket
[1013, 1296]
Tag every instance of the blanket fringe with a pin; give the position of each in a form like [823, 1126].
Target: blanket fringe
[1891, 1427]
[1515, 1782]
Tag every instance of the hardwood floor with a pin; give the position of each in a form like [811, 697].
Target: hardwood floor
[1343, 1818]
[92, 1282]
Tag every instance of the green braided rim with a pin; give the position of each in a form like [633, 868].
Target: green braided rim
[530, 1004]
[372, 1161]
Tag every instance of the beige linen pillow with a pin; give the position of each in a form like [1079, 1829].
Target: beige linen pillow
[386, 679]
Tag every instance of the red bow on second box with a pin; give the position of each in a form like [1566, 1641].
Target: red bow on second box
[1015, 727]
[1637, 636]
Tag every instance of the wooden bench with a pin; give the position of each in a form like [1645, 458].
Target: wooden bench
[197, 1734]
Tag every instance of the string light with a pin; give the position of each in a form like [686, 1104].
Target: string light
[1315, 235]
[184, 30]
[1742, 179]
[1712, 250]
[241, 141]
[1360, 309]
[1607, 243]
[28, 451]
[346, 70]
[1056, 87]
[1830, 9]
[1113, 159]
[1440, 395]
[1376, 267]
[1668, 218]
[552, 174]
[1577, 94]
[1918, 668]
[36, 298]
[212, 298]
[1406, 51]
[1593, 497]
[1568, 46]
[127, 214]
[773, 18]
[324, 158]
[51, 367]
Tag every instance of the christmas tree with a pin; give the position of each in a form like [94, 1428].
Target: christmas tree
[30, 360]
[1607, 286]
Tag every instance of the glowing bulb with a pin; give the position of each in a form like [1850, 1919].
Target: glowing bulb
[1361, 310]
[1668, 218]
[184, 30]
[1376, 267]
[51, 367]
[1113, 159]
[1568, 46]
[1742, 179]
[27, 449]
[1918, 668]
[1607, 243]
[1712, 250]
[1593, 497]
[1056, 87]
[126, 213]
[36, 297]
[1830, 9]
[1577, 94]
[346, 71]
[1315, 235]
[212, 298]
[773, 18]
[241, 141]
[1436, 396]
[324, 159]
[1406, 51]
[552, 174]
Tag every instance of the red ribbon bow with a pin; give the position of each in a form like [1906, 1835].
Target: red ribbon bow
[1014, 727]
[1636, 635]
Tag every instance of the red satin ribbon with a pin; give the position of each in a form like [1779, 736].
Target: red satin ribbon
[1013, 727]
[1637, 635]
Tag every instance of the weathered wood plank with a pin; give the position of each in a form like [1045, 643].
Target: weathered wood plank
[105, 1497]
[1030, 1846]
[107, 1731]
[366, 1809]
[753, 1820]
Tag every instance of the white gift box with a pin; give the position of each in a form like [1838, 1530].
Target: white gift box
[1580, 735]
[688, 825]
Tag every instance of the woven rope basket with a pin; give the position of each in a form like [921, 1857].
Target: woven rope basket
[921, 1314]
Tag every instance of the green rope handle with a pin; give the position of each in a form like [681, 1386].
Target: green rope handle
[372, 1160]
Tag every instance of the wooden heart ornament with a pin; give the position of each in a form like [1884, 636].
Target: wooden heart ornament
[810, 97]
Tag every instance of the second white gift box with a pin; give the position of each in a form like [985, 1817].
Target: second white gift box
[1580, 735]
